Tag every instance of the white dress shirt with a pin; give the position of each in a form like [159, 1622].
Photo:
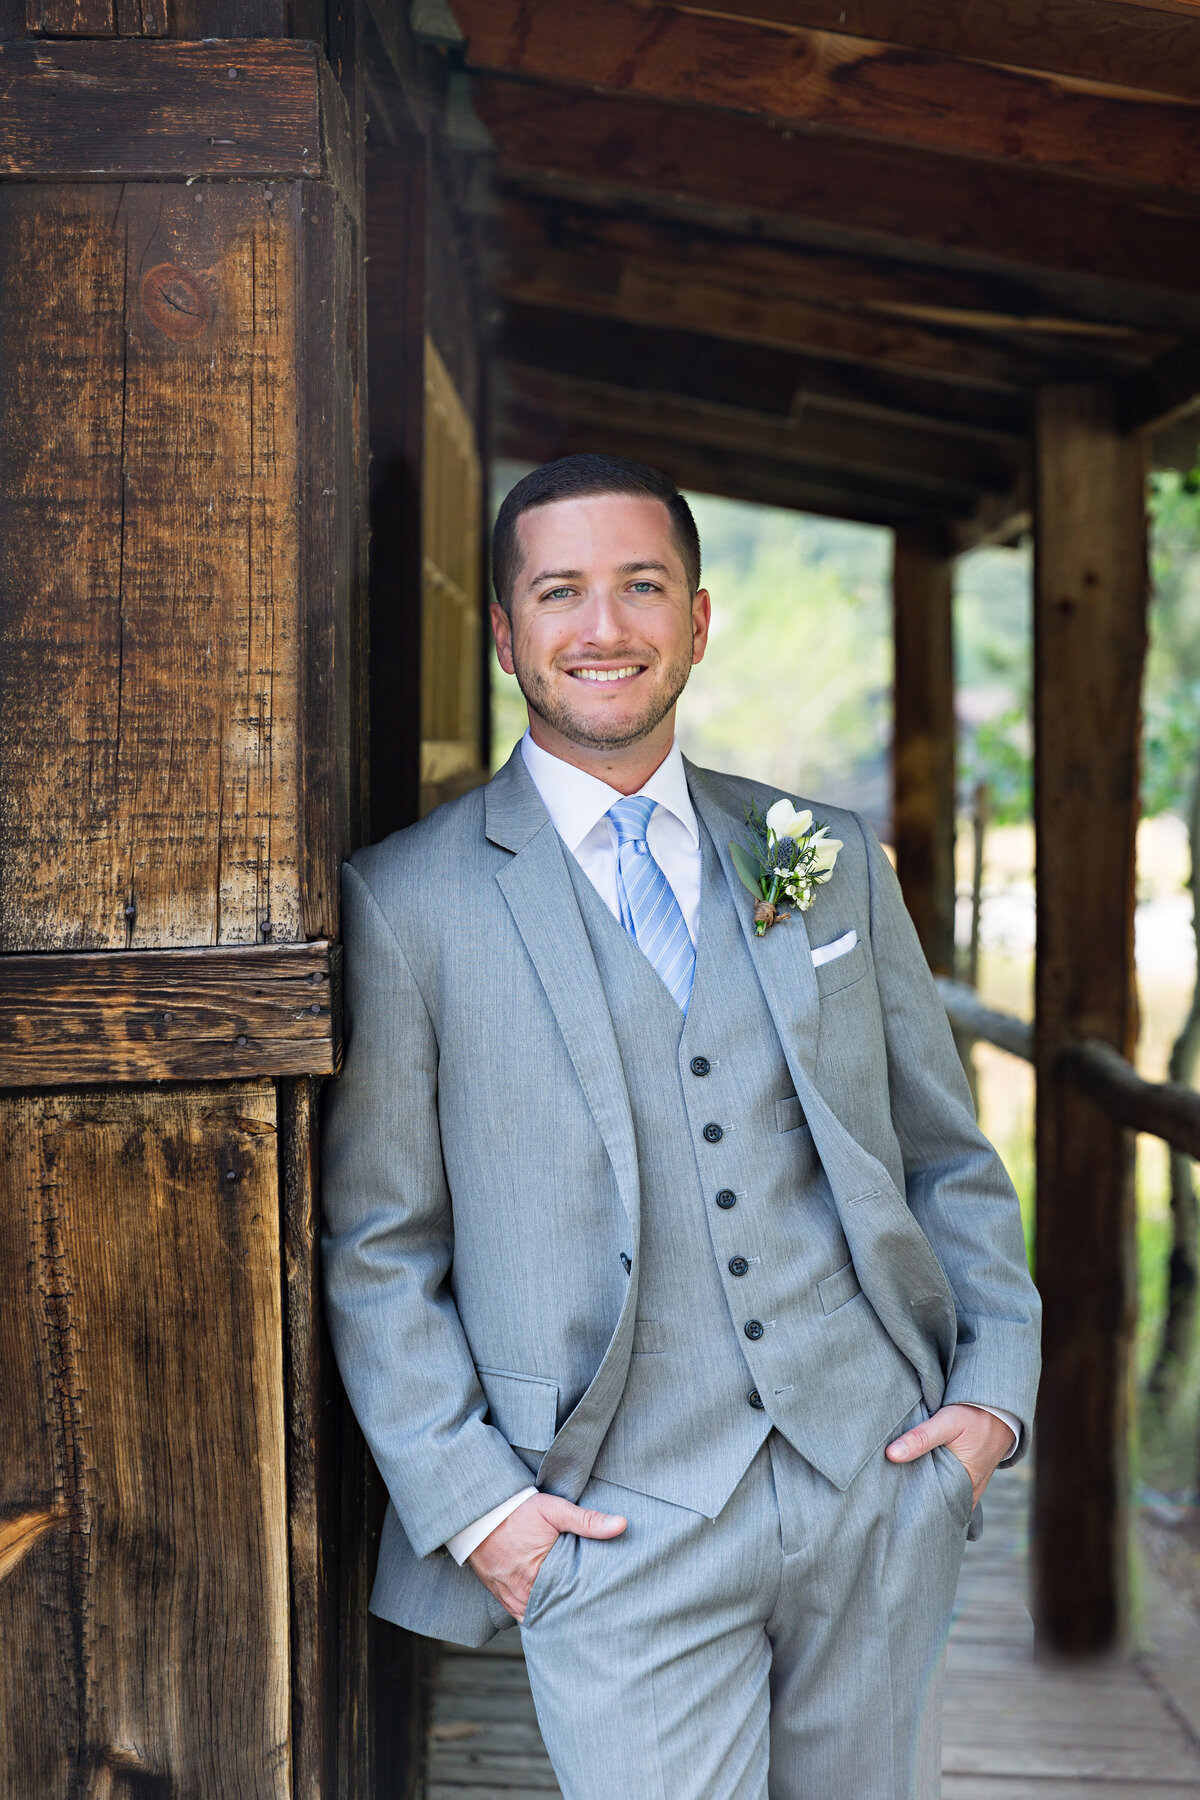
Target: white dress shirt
[577, 803]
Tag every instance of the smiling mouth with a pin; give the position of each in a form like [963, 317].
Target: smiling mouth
[623, 674]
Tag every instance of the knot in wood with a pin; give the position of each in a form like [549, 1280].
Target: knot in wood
[176, 302]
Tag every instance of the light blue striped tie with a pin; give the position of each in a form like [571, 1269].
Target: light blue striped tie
[649, 910]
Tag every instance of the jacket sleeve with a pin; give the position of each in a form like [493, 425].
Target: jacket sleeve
[388, 1246]
[956, 1185]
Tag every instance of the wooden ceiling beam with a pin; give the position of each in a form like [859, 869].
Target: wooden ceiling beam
[1150, 44]
[657, 294]
[955, 471]
[1155, 398]
[530, 436]
[772, 382]
[1044, 308]
[794, 76]
[972, 211]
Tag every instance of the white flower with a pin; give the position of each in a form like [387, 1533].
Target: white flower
[825, 852]
[785, 821]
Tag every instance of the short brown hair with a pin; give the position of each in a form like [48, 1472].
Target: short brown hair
[576, 478]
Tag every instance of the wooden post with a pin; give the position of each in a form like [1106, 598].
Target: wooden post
[1089, 645]
[923, 746]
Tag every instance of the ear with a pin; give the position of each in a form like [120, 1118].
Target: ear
[502, 632]
[701, 620]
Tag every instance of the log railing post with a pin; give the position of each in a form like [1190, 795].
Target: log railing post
[1089, 644]
[923, 746]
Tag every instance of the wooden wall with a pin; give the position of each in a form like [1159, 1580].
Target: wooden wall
[187, 1511]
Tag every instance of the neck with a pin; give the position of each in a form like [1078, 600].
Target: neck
[627, 768]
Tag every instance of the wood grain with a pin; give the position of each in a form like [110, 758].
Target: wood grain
[159, 1015]
[140, 108]
[1150, 44]
[149, 686]
[1090, 595]
[842, 83]
[1041, 220]
[139, 1250]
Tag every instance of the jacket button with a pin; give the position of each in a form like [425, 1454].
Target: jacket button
[756, 1400]
[738, 1265]
[726, 1198]
[700, 1065]
[754, 1329]
[713, 1134]
[625, 1263]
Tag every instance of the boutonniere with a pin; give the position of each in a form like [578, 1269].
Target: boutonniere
[788, 858]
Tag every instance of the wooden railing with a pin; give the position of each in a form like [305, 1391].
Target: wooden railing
[1166, 1109]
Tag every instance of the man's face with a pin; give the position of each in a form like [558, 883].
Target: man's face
[603, 632]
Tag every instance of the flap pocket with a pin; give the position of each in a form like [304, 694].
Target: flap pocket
[842, 971]
[789, 1114]
[839, 1287]
[524, 1408]
[649, 1337]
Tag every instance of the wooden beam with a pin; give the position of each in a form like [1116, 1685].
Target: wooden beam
[170, 1015]
[657, 294]
[534, 437]
[1150, 44]
[923, 742]
[1089, 647]
[761, 377]
[920, 98]
[954, 468]
[974, 211]
[1043, 308]
[136, 107]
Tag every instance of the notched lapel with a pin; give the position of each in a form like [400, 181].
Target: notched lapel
[542, 901]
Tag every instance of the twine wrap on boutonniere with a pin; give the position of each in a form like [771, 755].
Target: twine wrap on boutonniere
[788, 858]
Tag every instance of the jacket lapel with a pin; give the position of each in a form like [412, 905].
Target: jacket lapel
[783, 958]
[537, 889]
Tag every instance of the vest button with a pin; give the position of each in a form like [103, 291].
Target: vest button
[738, 1265]
[700, 1065]
[754, 1329]
[726, 1198]
[713, 1134]
[756, 1400]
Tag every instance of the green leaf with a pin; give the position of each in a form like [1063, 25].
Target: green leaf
[746, 870]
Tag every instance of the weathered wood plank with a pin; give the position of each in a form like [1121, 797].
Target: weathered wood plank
[149, 684]
[645, 291]
[154, 1015]
[146, 1633]
[924, 797]
[139, 108]
[844, 83]
[827, 437]
[1042, 220]
[1089, 645]
[1149, 44]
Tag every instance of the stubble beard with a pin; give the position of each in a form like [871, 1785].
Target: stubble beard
[552, 707]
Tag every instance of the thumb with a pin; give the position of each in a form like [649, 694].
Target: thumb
[921, 1439]
[581, 1520]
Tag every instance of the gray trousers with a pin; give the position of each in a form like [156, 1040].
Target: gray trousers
[790, 1648]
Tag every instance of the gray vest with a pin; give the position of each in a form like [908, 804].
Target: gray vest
[749, 1309]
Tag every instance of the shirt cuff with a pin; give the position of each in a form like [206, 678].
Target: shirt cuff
[1005, 1418]
[470, 1537]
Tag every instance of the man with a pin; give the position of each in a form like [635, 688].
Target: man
[681, 1301]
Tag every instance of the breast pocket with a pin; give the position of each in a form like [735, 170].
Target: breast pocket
[842, 972]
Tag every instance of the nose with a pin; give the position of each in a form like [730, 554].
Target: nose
[603, 624]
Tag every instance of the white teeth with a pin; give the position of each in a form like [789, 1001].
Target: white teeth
[605, 674]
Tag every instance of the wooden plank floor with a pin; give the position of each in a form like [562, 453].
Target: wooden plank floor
[1014, 1729]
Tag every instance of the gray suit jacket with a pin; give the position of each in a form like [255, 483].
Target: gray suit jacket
[480, 1180]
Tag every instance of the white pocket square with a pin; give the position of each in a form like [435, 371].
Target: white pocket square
[840, 947]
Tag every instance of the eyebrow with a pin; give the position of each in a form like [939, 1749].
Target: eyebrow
[626, 568]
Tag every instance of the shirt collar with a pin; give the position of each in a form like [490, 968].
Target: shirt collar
[577, 801]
